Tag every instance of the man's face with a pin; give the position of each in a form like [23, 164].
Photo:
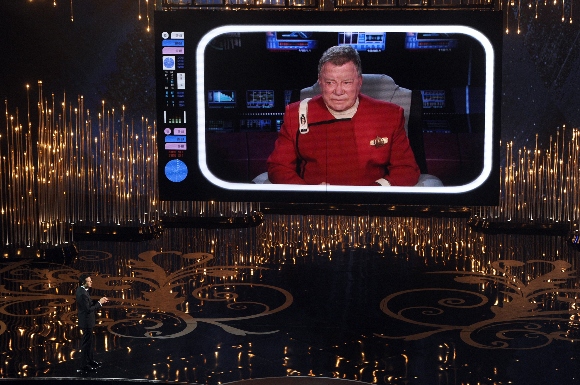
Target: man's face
[88, 282]
[340, 85]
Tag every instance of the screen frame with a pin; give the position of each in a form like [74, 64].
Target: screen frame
[485, 27]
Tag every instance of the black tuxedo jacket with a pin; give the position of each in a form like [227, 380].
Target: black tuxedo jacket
[86, 308]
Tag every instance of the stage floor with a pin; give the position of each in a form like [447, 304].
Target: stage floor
[289, 300]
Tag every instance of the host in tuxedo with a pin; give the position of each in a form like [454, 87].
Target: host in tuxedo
[86, 317]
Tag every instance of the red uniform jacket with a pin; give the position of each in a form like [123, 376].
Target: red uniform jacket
[355, 152]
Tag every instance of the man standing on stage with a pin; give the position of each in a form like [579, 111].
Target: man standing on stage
[86, 317]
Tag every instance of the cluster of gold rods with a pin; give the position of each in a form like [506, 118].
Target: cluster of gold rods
[540, 186]
[74, 173]
[82, 169]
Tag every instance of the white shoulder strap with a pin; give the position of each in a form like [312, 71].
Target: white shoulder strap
[303, 116]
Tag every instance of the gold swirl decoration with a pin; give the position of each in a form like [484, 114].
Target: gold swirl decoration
[151, 300]
[518, 313]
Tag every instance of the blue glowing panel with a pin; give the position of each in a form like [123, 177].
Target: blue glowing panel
[176, 170]
[430, 41]
[221, 99]
[364, 41]
[291, 41]
[433, 98]
[260, 98]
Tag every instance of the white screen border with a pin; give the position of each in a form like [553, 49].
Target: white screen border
[488, 144]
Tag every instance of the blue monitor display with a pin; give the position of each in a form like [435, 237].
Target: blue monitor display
[221, 99]
[364, 41]
[448, 94]
[302, 41]
[433, 98]
[434, 41]
[260, 98]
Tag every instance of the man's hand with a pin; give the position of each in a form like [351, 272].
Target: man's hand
[103, 300]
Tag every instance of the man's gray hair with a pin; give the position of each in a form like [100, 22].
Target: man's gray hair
[340, 55]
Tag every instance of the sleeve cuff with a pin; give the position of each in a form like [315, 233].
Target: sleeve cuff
[383, 182]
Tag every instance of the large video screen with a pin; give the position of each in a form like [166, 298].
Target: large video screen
[230, 86]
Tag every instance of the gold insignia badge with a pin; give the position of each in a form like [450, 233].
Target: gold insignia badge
[379, 142]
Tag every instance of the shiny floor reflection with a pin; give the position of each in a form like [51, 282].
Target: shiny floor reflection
[410, 306]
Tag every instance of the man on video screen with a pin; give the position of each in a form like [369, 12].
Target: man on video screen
[343, 137]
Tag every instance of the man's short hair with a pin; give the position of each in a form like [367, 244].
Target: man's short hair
[83, 278]
[340, 55]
